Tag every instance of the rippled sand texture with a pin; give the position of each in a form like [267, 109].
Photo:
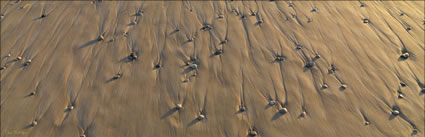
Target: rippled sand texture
[331, 68]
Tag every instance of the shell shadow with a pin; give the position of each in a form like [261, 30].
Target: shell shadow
[89, 43]
[277, 115]
[169, 113]
[393, 116]
[187, 70]
[268, 106]
[28, 126]
[174, 31]
[126, 59]
[307, 68]
[193, 122]
[110, 80]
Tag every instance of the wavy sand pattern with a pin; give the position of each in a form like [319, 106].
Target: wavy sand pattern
[212, 68]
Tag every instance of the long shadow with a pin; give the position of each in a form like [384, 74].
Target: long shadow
[89, 43]
[307, 68]
[193, 122]
[258, 23]
[169, 113]
[392, 117]
[239, 112]
[38, 18]
[126, 59]
[174, 31]
[110, 80]
[10, 61]
[187, 41]
[341, 88]
[301, 115]
[402, 59]
[277, 115]
[187, 70]
[28, 126]
[267, 106]
[29, 95]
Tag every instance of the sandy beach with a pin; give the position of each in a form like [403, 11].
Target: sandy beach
[212, 68]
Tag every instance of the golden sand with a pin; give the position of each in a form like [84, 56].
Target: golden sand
[212, 68]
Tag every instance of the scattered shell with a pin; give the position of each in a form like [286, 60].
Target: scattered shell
[224, 41]
[367, 123]
[27, 62]
[325, 86]
[242, 109]
[298, 47]
[190, 39]
[139, 12]
[283, 110]
[206, 27]
[3, 68]
[400, 96]
[193, 66]
[317, 56]
[291, 4]
[405, 55]
[19, 58]
[366, 20]
[395, 112]
[218, 52]
[343, 86]
[200, 117]
[260, 21]
[280, 58]
[309, 64]
[133, 23]
[414, 131]
[252, 133]
[8, 55]
[132, 56]
[157, 66]
[100, 38]
[32, 93]
[303, 114]
[117, 76]
[179, 106]
[70, 107]
[272, 102]
[34, 123]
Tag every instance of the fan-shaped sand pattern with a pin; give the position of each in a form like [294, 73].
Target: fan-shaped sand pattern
[212, 69]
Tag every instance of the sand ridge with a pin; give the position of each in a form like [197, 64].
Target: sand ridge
[212, 68]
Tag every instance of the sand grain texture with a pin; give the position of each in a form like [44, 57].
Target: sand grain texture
[246, 54]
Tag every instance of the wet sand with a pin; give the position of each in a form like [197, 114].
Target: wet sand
[212, 69]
